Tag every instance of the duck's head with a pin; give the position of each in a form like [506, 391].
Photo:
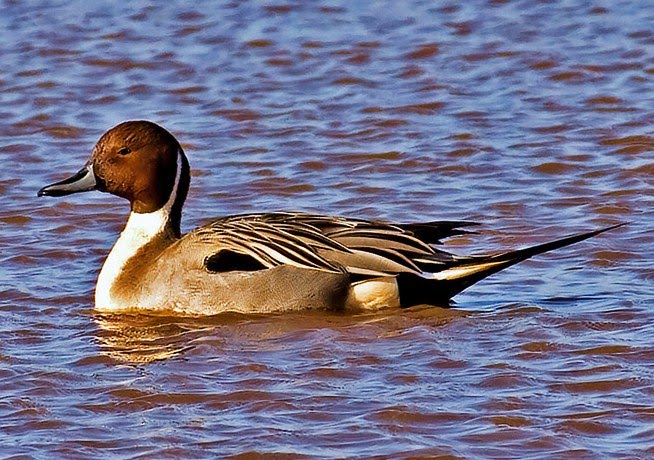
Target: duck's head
[136, 160]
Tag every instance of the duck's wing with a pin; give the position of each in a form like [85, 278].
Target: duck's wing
[335, 244]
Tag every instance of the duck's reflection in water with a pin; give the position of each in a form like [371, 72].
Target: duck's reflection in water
[138, 338]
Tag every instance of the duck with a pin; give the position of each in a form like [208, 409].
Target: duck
[266, 262]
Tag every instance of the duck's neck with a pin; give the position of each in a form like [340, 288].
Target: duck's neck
[142, 231]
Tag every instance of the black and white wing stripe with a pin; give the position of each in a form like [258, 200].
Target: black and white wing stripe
[328, 243]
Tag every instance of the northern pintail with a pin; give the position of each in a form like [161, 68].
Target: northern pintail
[258, 263]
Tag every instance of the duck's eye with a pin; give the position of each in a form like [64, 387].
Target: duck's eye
[124, 151]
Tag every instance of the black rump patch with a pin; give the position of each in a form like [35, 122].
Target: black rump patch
[230, 261]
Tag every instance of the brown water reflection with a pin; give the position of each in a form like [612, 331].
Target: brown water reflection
[533, 118]
[137, 339]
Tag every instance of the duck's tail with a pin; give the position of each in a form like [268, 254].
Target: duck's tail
[441, 284]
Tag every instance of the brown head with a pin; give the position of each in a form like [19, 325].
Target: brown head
[136, 160]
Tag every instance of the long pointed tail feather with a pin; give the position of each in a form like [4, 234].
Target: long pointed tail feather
[446, 283]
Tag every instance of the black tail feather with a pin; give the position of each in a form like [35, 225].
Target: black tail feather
[523, 254]
[446, 283]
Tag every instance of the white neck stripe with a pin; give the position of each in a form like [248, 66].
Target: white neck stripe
[150, 224]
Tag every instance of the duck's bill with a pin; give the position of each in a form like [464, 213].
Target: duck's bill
[83, 181]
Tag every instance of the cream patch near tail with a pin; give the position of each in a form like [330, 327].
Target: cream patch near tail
[374, 294]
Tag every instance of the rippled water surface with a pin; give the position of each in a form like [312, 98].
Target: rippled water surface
[533, 118]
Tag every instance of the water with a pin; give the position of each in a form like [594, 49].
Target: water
[533, 118]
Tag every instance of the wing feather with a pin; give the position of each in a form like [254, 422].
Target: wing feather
[333, 244]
